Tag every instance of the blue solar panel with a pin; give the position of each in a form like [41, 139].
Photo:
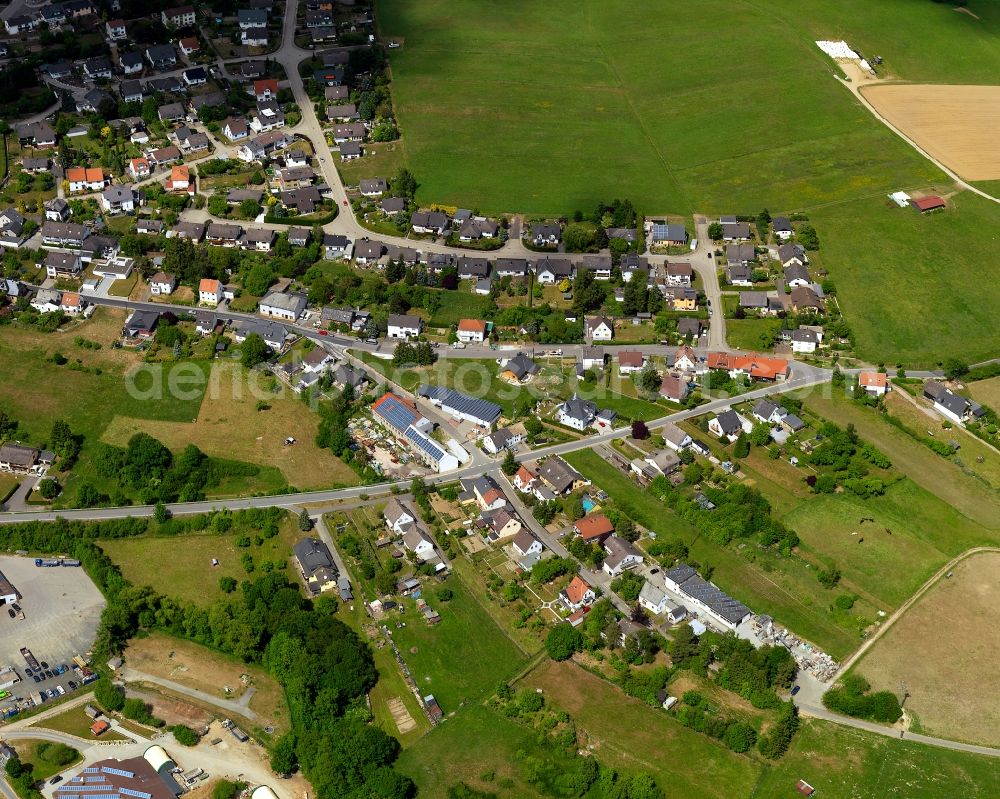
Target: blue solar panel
[119, 771]
[132, 792]
[425, 444]
[396, 414]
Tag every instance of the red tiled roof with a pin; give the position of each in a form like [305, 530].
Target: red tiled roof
[472, 326]
[630, 358]
[597, 525]
[758, 366]
[873, 379]
[576, 590]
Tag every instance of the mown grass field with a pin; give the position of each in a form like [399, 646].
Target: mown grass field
[912, 286]
[986, 392]
[75, 722]
[182, 567]
[463, 657]
[944, 673]
[631, 736]
[846, 763]
[547, 108]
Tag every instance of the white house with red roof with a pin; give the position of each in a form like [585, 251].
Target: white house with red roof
[874, 383]
[471, 331]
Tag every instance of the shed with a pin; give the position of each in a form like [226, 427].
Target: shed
[930, 203]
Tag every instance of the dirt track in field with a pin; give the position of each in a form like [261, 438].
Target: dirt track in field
[944, 649]
[956, 124]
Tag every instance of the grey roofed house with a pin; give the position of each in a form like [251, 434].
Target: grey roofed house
[651, 595]
[299, 236]
[781, 224]
[674, 434]
[796, 272]
[546, 231]
[209, 100]
[521, 366]
[258, 235]
[515, 267]
[669, 232]
[805, 336]
[251, 18]
[131, 60]
[220, 231]
[597, 263]
[430, 220]
[368, 249]
[350, 148]
[740, 254]
[342, 111]
[735, 230]
[579, 409]
[117, 193]
[131, 88]
[753, 299]
[408, 255]
[437, 261]
[617, 550]
[499, 439]
[339, 316]
[793, 423]
[252, 69]
[170, 112]
[374, 186]
[665, 461]
[349, 376]
[292, 302]
[629, 234]
[689, 326]
[392, 205]
[312, 554]
[558, 474]
[149, 226]
[189, 230]
[167, 85]
[806, 297]
[161, 54]
[789, 253]
[557, 267]
[765, 409]
[141, 320]
[273, 333]
[303, 200]
[729, 423]
[240, 195]
[472, 267]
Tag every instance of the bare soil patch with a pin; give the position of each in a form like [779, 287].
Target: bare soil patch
[174, 711]
[955, 124]
[944, 649]
[400, 715]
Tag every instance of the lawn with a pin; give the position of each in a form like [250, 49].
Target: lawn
[745, 334]
[630, 735]
[182, 567]
[846, 763]
[944, 673]
[940, 476]
[228, 425]
[463, 657]
[75, 722]
[986, 392]
[379, 161]
[574, 77]
[205, 669]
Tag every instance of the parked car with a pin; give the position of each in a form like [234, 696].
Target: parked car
[55, 780]
[795, 689]
[11, 613]
[48, 673]
[36, 678]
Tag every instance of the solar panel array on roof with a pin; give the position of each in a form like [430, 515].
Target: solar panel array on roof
[451, 400]
[119, 771]
[425, 444]
[728, 608]
[395, 413]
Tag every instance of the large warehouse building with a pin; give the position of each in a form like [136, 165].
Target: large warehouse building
[146, 777]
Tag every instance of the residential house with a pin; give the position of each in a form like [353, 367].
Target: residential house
[471, 331]
[259, 239]
[180, 180]
[63, 234]
[796, 275]
[593, 528]
[553, 270]
[429, 222]
[404, 326]
[316, 565]
[47, 301]
[511, 267]
[690, 328]
[874, 383]
[151, 227]
[223, 235]
[502, 524]
[630, 361]
[18, 459]
[288, 306]
[398, 517]
[679, 274]
[344, 112]
[71, 303]
[141, 324]
[161, 56]
[210, 291]
[768, 412]
[189, 45]
[951, 405]
[12, 227]
[119, 199]
[367, 251]
[727, 424]
[337, 246]
[180, 17]
[670, 235]
[519, 369]
[559, 476]
[85, 179]
[706, 597]
[165, 155]
[350, 151]
[685, 359]
[652, 599]
[374, 187]
[675, 438]
[138, 168]
[235, 128]
[735, 231]
[505, 438]
[598, 328]
[674, 388]
[546, 234]
[789, 254]
[195, 76]
[131, 62]
[577, 413]
[620, 556]
[525, 544]
[804, 298]
[162, 284]
[782, 228]
[757, 367]
[805, 340]
[525, 479]
[420, 543]
[578, 594]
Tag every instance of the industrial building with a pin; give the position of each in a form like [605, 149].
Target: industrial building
[146, 777]
[701, 594]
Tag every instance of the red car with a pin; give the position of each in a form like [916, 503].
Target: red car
[324, 333]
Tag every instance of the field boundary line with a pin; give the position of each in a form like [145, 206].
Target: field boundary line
[897, 614]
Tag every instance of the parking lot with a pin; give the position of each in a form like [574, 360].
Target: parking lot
[62, 608]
